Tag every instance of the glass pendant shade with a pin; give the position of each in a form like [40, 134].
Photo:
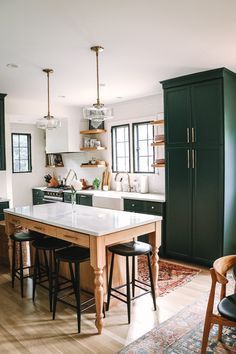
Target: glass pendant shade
[48, 121]
[98, 112]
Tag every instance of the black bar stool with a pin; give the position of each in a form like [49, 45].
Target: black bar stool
[74, 256]
[46, 273]
[19, 238]
[130, 249]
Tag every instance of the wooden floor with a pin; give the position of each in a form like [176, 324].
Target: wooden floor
[26, 327]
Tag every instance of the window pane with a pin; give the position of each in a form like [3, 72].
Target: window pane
[143, 151]
[127, 149]
[23, 141]
[143, 164]
[142, 132]
[120, 144]
[16, 166]
[143, 147]
[121, 166]
[126, 132]
[23, 165]
[16, 154]
[150, 150]
[15, 140]
[121, 149]
[120, 134]
[127, 164]
[21, 152]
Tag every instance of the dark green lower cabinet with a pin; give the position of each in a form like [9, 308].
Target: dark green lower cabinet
[178, 204]
[84, 199]
[67, 197]
[38, 196]
[193, 209]
[148, 207]
[3, 205]
[207, 219]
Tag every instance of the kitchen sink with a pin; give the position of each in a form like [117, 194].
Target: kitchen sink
[108, 201]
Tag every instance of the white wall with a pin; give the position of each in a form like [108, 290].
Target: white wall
[22, 183]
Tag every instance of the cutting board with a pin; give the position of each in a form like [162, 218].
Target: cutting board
[106, 178]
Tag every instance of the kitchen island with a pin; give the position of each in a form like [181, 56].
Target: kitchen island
[93, 228]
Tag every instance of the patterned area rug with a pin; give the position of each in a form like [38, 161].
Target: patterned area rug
[171, 275]
[182, 334]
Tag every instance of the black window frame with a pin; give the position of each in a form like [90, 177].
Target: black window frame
[134, 144]
[28, 152]
[112, 150]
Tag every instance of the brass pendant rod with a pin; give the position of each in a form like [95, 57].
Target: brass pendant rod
[48, 95]
[98, 98]
[48, 71]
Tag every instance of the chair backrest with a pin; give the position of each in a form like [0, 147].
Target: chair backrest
[221, 267]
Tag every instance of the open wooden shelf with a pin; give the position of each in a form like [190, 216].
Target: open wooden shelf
[92, 166]
[93, 131]
[156, 165]
[158, 143]
[157, 122]
[93, 149]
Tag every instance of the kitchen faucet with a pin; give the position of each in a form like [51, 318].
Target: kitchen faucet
[128, 179]
[68, 174]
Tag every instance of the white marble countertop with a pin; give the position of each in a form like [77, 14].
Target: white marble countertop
[154, 197]
[93, 221]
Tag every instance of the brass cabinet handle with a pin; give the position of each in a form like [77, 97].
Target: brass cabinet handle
[193, 159]
[193, 135]
[188, 140]
[188, 155]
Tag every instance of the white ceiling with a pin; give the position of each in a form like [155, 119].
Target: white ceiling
[145, 42]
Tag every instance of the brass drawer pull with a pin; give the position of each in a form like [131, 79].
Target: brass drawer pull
[38, 228]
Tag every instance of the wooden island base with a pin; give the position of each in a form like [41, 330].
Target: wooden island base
[97, 279]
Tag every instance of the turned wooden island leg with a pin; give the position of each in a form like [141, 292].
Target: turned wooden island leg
[9, 229]
[98, 261]
[155, 241]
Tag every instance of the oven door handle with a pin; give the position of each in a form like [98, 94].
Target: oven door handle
[50, 200]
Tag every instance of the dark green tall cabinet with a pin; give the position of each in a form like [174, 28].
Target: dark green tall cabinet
[2, 133]
[200, 131]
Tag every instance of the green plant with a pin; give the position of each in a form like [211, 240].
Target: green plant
[96, 183]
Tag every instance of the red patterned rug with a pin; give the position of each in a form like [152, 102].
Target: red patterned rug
[171, 275]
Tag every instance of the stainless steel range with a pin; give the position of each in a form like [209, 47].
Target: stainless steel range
[52, 195]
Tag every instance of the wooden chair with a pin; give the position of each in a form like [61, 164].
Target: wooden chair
[227, 306]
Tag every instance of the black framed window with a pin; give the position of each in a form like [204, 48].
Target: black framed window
[21, 153]
[143, 135]
[120, 136]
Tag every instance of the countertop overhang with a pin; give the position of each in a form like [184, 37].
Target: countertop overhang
[93, 221]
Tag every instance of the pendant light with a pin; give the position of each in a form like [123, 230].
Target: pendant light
[98, 112]
[48, 121]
